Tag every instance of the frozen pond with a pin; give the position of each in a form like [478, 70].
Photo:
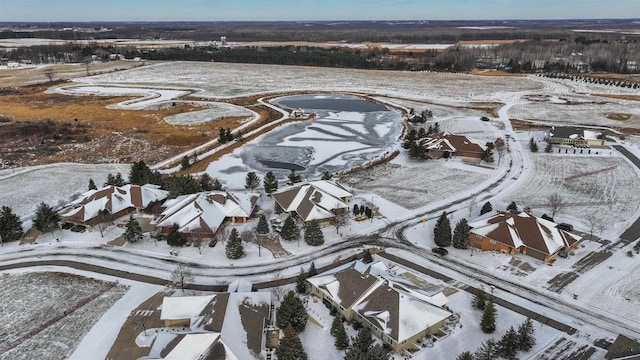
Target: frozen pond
[347, 131]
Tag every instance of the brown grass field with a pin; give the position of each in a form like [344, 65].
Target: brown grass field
[38, 128]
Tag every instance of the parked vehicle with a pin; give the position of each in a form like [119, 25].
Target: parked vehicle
[440, 251]
[565, 227]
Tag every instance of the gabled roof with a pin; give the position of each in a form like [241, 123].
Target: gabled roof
[395, 308]
[193, 346]
[206, 211]
[312, 200]
[114, 199]
[451, 143]
[239, 318]
[568, 132]
[523, 229]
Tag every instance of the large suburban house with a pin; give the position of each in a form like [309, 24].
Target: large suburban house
[202, 214]
[445, 145]
[580, 137]
[395, 309]
[193, 346]
[112, 201]
[521, 232]
[315, 200]
[235, 323]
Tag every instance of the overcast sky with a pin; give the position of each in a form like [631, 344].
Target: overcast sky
[231, 10]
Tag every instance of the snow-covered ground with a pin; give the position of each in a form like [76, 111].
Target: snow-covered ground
[23, 189]
[32, 299]
[214, 111]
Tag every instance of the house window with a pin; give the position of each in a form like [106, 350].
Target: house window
[478, 237]
[492, 242]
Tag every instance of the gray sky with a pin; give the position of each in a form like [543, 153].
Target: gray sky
[231, 10]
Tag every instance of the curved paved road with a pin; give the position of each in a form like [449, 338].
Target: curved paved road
[633, 232]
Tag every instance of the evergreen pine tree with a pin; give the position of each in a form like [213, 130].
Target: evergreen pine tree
[467, 355]
[45, 219]
[111, 180]
[508, 346]
[270, 183]
[10, 225]
[367, 258]
[290, 230]
[312, 270]
[206, 182]
[356, 209]
[342, 340]
[118, 180]
[488, 350]
[291, 312]
[479, 300]
[174, 238]
[533, 146]
[92, 185]
[290, 347]
[133, 231]
[222, 136]
[337, 321]
[326, 176]
[293, 178]
[140, 173]
[252, 181]
[442, 231]
[234, 249]
[363, 340]
[526, 336]
[377, 352]
[436, 128]
[313, 235]
[263, 226]
[302, 286]
[548, 148]
[216, 185]
[461, 234]
[512, 206]
[185, 163]
[488, 321]
[486, 208]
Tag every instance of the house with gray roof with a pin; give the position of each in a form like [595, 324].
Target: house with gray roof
[395, 309]
[315, 200]
[575, 136]
[237, 318]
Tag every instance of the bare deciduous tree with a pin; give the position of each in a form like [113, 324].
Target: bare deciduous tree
[341, 220]
[49, 73]
[594, 222]
[556, 203]
[472, 204]
[181, 276]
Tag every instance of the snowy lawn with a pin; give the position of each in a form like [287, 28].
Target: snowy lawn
[25, 188]
[31, 299]
[610, 194]
[416, 184]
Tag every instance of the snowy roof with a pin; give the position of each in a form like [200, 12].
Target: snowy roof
[114, 199]
[397, 309]
[193, 346]
[239, 317]
[185, 307]
[206, 211]
[523, 229]
[568, 132]
[452, 143]
[313, 200]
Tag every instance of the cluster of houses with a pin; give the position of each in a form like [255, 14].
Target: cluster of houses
[237, 324]
[201, 215]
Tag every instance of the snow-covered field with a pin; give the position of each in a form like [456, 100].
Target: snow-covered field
[214, 111]
[229, 80]
[23, 189]
[30, 300]
[611, 194]
[416, 184]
